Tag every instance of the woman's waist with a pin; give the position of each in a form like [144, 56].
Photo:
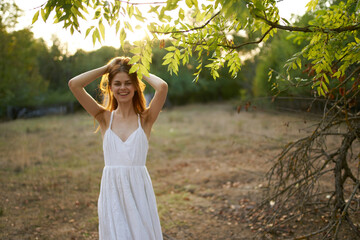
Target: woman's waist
[124, 166]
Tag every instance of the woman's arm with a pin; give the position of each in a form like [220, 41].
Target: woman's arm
[159, 98]
[77, 85]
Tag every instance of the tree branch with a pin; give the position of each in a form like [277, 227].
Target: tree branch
[191, 29]
[344, 211]
[248, 43]
[39, 6]
[237, 46]
[307, 236]
[348, 78]
[310, 28]
[351, 224]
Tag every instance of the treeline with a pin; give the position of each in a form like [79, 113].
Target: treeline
[34, 74]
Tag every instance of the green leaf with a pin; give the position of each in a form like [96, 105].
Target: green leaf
[102, 30]
[323, 84]
[326, 78]
[311, 5]
[130, 10]
[78, 4]
[143, 70]
[170, 49]
[337, 74]
[259, 5]
[210, 65]
[286, 21]
[145, 62]
[134, 59]
[134, 68]
[177, 53]
[189, 3]
[74, 10]
[136, 50]
[169, 55]
[148, 50]
[122, 37]
[88, 31]
[97, 13]
[153, 9]
[139, 17]
[35, 18]
[128, 26]
[117, 26]
[181, 14]
[167, 61]
[43, 15]
[96, 36]
[195, 3]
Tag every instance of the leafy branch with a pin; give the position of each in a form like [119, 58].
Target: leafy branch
[145, 3]
[310, 28]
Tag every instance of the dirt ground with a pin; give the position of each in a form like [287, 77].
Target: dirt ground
[207, 164]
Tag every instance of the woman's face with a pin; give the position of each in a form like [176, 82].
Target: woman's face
[122, 87]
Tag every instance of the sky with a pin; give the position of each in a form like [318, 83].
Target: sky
[78, 41]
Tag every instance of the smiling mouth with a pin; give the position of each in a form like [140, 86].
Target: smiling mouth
[124, 94]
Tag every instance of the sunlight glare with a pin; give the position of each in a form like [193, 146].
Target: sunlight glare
[48, 30]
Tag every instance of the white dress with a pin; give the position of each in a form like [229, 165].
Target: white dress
[127, 206]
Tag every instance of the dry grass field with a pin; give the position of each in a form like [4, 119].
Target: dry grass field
[207, 163]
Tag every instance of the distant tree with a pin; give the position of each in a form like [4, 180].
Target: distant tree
[9, 13]
[52, 61]
[331, 58]
[21, 81]
[31, 74]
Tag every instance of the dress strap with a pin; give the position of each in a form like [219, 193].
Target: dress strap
[139, 122]
[111, 118]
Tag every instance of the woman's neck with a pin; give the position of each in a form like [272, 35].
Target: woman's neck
[125, 109]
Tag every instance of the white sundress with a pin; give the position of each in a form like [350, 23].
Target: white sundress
[127, 206]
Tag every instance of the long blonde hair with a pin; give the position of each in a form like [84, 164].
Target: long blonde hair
[108, 99]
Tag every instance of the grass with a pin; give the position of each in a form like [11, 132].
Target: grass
[202, 159]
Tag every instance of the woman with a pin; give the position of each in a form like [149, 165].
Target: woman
[126, 205]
